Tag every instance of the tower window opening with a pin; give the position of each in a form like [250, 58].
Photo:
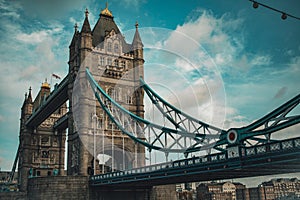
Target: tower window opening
[101, 61]
[128, 99]
[109, 61]
[123, 63]
[109, 46]
[116, 48]
[117, 63]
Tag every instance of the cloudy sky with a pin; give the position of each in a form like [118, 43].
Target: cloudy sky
[224, 62]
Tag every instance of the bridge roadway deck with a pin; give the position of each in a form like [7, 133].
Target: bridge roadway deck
[273, 158]
[56, 98]
[62, 123]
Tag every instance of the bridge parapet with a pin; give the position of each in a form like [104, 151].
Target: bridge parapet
[270, 154]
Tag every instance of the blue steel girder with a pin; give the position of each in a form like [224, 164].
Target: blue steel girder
[276, 120]
[164, 139]
[266, 159]
[56, 98]
[211, 135]
[202, 136]
[180, 119]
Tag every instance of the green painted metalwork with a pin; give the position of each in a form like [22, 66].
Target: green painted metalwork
[202, 133]
[272, 122]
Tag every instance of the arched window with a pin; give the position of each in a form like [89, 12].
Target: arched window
[109, 61]
[101, 61]
[109, 46]
[123, 63]
[116, 48]
[128, 98]
[111, 92]
[117, 63]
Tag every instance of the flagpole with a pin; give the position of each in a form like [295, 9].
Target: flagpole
[51, 81]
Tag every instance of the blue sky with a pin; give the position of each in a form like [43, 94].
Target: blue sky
[248, 60]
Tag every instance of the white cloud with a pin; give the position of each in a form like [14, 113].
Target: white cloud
[261, 60]
[281, 92]
[133, 3]
[219, 38]
[73, 21]
[35, 37]
[295, 64]
[10, 9]
[27, 73]
[207, 31]
[39, 36]
[1, 118]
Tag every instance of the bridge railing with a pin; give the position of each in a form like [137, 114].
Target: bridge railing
[278, 146]
[163, 166]
[271, 147]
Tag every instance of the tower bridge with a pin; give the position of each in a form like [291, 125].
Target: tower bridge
[105, 122]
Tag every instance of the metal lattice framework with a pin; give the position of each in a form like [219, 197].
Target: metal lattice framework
[189, 134]
[165, 139]
[208, 134]
[278, 119]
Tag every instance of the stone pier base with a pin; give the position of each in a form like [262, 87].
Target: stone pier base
[58, 187]
[77, 187]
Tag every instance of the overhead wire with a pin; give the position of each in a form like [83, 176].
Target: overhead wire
[284, 14]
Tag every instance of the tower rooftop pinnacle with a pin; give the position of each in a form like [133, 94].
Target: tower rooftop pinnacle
[106, 12]
[29, 97]
[46, 84]
[86, 28]
[137, 41]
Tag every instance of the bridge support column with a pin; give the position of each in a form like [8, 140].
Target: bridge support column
[62, 147]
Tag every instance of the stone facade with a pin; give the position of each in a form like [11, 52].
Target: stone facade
[41, 149]
[13, 196]
[165, 192]
[219, 191]
[117, 67]
[58, 187]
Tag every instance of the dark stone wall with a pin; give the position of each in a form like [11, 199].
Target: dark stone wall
[58, 187]
[163, 192]
[13, 196]
[77, 187]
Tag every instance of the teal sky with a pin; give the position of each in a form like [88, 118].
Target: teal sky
[254, 54]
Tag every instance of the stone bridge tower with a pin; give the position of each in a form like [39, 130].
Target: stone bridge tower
[117, 66]
[41, 149]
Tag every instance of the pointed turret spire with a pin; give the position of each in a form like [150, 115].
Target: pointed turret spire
[86, 13]
[86, 28]
[29, 98]
[27, 105]
[137, 41]
[74, 36]
[76, 27]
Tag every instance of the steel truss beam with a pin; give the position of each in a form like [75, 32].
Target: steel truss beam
[208, 134]
[164, 139]
[189, 134]
[280, 118]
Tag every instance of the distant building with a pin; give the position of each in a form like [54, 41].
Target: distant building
[186, 191]
[282, 188]
[4, 178]
[275, 189]
[219, 191]
[256, 193]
